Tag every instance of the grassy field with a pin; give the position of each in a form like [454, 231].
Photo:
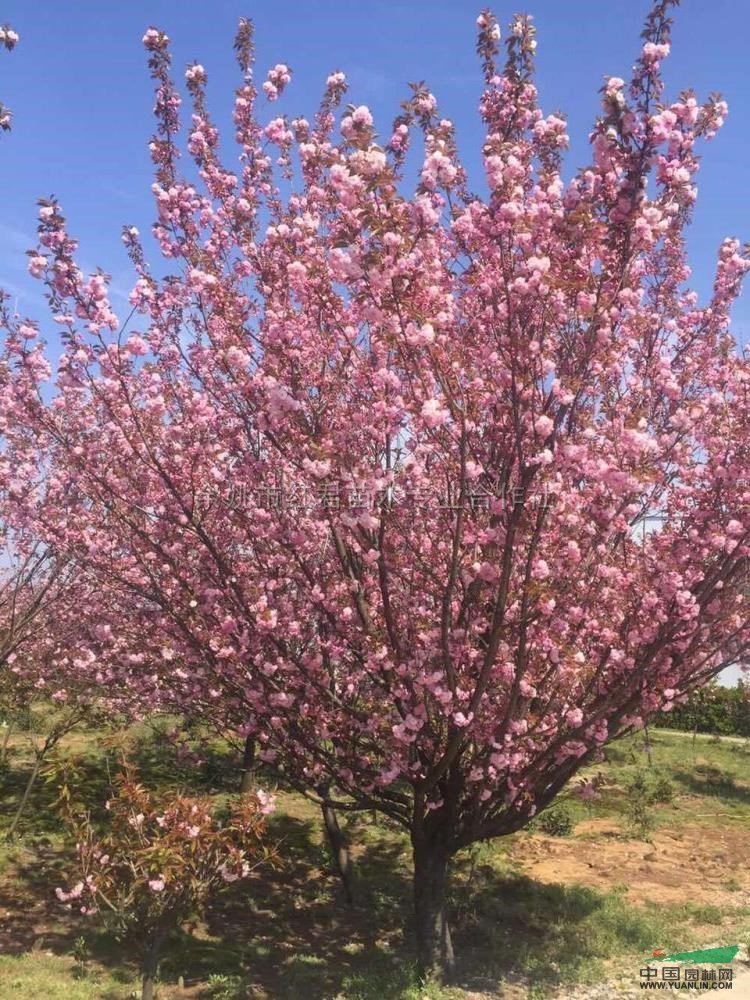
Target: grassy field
[659, 859]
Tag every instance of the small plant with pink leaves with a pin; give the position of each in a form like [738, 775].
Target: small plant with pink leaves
[161, 860]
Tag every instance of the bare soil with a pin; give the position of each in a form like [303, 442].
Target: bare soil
[690, 864]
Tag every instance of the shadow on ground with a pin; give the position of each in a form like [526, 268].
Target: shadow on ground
[287, 933]
[705, 780]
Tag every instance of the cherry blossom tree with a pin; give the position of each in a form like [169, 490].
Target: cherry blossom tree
[9, 40]
[41, 631]
[365, 472]
[20, 600]
[35, 596]
[27, 586]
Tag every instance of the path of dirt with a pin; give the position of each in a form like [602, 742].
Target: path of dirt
[701, 736]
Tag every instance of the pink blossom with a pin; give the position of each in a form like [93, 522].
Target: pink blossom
[196, 74]
[544, 425]
[137, 346]
[362, 116]
[155, 40]
[434, 413]
[267, 801]
[228, 874]
[541, 570]
[37, 265]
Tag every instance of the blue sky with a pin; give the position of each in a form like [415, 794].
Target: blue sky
[82, 99]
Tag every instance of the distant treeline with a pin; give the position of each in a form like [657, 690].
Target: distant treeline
[724, 711]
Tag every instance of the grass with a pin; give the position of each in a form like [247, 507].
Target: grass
[669, 784]
[710, 780]
[286, 933]
[44, 974]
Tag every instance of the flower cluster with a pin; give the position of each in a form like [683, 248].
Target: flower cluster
[278, 78]
[8, 37]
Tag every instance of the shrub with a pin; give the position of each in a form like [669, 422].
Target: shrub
[639, 803]
[160, 861]
[221, 987]
[663, 791]
[556, 822]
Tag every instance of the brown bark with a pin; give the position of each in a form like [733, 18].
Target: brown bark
[148, 987]
[434, 945]
[339, 850]
[25, 797]
[150, 969]
[6, 739]
[248, 764]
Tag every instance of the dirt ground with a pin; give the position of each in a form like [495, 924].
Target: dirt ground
[692, 864]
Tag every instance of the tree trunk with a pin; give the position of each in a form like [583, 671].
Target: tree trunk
[25, 797]
[434, 946]
[150, 969]
[648, 746]
[248, 763]
[339, 851]
[62, 729]
[6, 738]
[148, 989]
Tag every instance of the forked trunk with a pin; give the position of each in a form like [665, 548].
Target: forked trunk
[434, 945]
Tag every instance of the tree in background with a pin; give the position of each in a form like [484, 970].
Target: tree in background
[365, 469]
[45, 657]
[29, 582]
[723, 711]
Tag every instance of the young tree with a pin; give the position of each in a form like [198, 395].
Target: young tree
[372, 464]
[160, 861]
